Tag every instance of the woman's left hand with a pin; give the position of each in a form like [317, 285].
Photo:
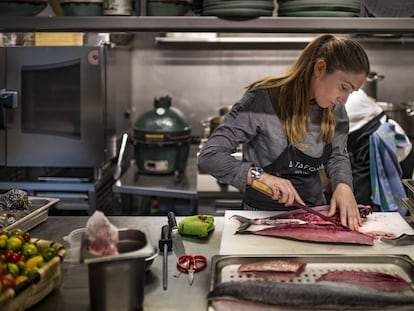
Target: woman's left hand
[344, 199]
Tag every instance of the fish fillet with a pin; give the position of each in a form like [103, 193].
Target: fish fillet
[280, 270]
[376, 280]
[325, 233]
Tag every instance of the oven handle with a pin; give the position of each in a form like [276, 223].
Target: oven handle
[8, 100]
[118, 169]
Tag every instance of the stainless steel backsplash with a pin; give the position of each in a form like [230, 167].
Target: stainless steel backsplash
[202, 78]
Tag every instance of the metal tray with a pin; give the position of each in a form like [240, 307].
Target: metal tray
[409, 188]
[39, 207]
[224, 267]
[409, 204]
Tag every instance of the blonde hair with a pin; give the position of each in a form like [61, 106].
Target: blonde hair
[290, 92]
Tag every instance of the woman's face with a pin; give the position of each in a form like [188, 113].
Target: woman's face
[334, 88]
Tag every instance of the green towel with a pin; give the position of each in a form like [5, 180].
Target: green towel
[198, 225]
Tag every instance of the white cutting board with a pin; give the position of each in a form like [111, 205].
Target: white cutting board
[249, 244]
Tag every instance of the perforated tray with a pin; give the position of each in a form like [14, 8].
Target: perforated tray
[224, 267]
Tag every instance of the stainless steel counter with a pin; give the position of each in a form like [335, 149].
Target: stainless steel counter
[74, 291]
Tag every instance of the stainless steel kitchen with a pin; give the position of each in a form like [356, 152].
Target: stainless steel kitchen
[114, 190]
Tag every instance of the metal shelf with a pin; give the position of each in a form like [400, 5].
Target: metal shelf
[360, 25]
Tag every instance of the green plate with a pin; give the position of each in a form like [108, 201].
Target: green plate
[319, 9]
[317, 2]
[303, 5]
[238, 4]
[318, 14]
[238, 12]
[21, 8]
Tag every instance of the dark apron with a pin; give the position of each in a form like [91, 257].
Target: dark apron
[303, 172]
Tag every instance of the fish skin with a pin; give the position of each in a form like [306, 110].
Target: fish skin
[231, 304]
[292, 296]
[325, 233]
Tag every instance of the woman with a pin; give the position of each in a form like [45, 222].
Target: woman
[291, 126]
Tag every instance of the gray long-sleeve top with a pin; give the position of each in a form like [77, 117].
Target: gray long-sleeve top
[253, 123]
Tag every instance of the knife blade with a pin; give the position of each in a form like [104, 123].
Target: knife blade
[265, 189]
[178, 246]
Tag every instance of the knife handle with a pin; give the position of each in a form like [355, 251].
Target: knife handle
[261, 187]
[172, 221]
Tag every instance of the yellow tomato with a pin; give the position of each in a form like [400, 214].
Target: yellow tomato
[21, 278]
[36, 261]
[14, 243]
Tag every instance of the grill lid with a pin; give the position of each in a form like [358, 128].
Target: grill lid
[163, 123]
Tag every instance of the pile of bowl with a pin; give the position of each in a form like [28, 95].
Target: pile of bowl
[22, 7]
[82, 7]
[168, 7]
[238, 8]
[319, 8]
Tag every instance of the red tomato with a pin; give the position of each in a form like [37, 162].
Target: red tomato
[8, 281]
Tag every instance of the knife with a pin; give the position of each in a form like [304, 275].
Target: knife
[265, 189]
[178, 246]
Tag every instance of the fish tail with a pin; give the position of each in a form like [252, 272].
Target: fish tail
[244, 223]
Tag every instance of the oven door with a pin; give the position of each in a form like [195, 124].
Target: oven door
[2, 109]
[59, 119]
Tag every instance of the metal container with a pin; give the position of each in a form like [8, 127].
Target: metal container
[370, 85]
[117, 7]
[225, 267]
[116, 282]
[396, 112]
[162, 139]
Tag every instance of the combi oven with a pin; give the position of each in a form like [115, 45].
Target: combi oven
[62, 109]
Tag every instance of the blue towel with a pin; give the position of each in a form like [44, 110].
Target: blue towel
[386, 172]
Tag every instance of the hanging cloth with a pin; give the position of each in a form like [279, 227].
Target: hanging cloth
[386, 172]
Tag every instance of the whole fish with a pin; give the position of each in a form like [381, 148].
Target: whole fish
[278, 296]
[297, 216]
[306, 227]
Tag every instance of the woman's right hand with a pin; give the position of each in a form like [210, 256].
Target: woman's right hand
[283, 190]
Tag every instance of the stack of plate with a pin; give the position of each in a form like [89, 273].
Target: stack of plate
[319, 8]
[168, 7]
[238, 8]
[22, 7]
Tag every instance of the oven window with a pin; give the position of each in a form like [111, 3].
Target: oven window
[51, 99]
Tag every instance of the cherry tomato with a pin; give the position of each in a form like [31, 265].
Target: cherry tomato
[14, 243]
[13, 256]
[3, 240]
[13, 269]
[8, 281]
[29, 250]
[16, 232]
[27, 236]
[20, 279]
[48, 253]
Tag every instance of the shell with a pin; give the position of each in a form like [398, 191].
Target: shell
[14, 199]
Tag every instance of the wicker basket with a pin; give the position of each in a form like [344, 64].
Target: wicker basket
[40, 285]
